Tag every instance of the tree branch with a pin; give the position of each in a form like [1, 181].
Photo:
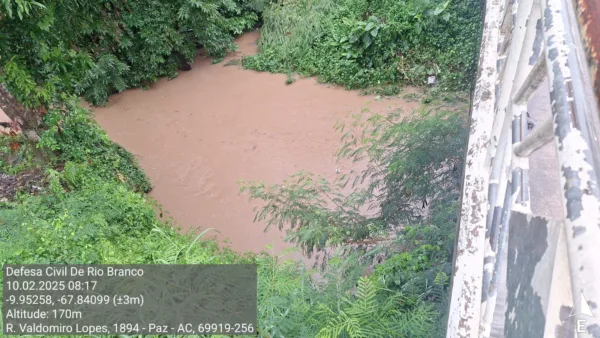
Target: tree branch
[369, 241]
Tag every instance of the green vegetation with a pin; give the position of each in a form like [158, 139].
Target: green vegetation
[94, 49]
[384, 274]
[371, 43]
[412, 178]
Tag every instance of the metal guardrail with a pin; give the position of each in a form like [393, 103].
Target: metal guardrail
[526, 42]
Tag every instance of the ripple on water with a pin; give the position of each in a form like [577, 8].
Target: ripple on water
[198, 134]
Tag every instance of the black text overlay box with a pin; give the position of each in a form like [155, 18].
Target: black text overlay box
[129, 299]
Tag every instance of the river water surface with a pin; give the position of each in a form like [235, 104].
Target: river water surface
[198, 134]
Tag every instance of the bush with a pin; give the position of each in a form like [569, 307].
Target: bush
[98, 48]
[72, 135]
[359, 43]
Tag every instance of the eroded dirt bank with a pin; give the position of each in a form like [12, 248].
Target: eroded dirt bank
[198, 134]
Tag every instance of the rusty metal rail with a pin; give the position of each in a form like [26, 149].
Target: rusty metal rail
[550, 263]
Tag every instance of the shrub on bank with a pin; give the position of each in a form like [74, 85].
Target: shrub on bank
[94, 49]
[360, 43]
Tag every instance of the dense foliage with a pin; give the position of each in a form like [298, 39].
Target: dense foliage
[366, 43]
[383, 274]
[95, 48]
[411, 180]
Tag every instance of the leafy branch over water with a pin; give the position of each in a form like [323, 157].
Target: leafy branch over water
[413, 164]
[411, 180]
[382, 44]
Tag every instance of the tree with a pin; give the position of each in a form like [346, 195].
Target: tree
[412, 181]
[413, 173]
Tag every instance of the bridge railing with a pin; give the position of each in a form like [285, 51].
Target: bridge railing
[524, 44]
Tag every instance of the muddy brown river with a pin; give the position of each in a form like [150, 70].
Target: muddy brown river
[196, 135]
